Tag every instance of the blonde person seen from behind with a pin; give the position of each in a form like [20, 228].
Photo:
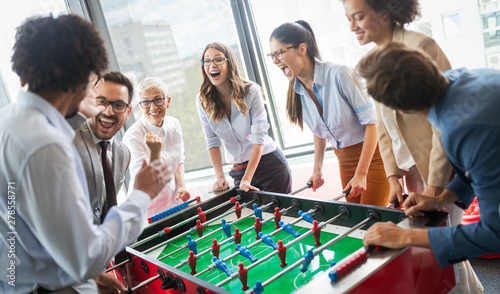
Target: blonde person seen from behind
[156, 135]
[231, 110]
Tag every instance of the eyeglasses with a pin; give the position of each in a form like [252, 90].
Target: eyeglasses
[216, 61]
[279, 53]
[118, 106]
[147, 103]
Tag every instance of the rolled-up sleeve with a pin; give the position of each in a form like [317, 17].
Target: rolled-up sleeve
[351, 88]
[259, 124]
[211, 138]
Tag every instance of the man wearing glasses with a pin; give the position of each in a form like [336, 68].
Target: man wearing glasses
[114, 97]
[105, 159]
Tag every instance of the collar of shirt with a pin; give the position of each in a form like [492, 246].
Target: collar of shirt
[54, 117]
[433, 117]
[319, 78]
[346, 107]
[158, 131]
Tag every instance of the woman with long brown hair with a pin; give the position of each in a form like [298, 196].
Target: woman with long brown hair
[231, 110]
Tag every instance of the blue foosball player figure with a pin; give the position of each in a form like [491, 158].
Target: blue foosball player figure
[289, 229]
[192, 245]
[222, 266]
[258, 288]
[306, 216]
[267, 240]
[245, 252]
[309, 256]
[257, 211]
[226, 227]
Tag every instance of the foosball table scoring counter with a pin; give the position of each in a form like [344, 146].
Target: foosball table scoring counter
[254, 242]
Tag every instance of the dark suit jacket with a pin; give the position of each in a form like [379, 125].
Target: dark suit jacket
[89, 153]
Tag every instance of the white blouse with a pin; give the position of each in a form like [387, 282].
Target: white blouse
[242, 131]
[172, 153]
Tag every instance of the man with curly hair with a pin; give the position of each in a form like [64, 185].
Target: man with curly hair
[50, 242]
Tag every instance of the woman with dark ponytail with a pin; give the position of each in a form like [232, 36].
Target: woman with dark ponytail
[329, 99]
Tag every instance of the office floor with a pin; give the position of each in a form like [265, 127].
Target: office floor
[488, 272]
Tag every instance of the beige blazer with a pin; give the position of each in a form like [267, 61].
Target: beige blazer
[423, 140]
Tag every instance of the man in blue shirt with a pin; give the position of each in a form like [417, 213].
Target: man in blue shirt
[464, 105]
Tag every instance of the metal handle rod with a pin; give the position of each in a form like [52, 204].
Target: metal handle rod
[212, 266]
[344, 194]
[142, 284]
[184, 262]
[235, 275]
[208, 211]
[201, 238]
[260, 240]
[308, 185]
[194, 229]
[116, 266]
[159, 234]
[315, 252]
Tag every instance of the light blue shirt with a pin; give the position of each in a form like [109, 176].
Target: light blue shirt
[242, 131]
[346, 107]
[56, 243]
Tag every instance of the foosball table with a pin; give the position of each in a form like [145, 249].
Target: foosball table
[251, 242]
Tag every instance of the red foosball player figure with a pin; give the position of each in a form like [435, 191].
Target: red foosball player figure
[243, 271]
[203, 217]
[282, 253]
[277, 217]
[215, 248]
[258, 227]
[237, 209]
[316, 233]
[199, 228]
[237, 236]
[192, 262]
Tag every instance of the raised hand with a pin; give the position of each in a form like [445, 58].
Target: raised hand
[154, 144]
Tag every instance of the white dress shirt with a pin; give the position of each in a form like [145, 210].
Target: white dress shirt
[56, 242]
[172, 153]
[242, 131]
[346, 106]
[402, 154]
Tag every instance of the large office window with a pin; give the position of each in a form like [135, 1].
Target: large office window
[456, 28]
[335, 41]
[12, 14]
[166, 39]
